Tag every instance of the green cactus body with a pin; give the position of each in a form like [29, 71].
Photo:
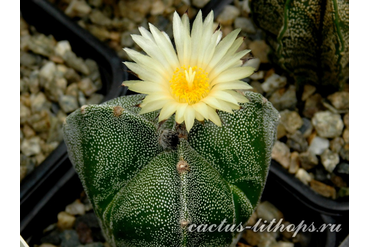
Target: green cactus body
[310, 38]
[146, 193]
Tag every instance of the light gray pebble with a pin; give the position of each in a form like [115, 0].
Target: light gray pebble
[329, 160]
[318, 145]
[245, 24]
[68, 103]
[95, 99]
[328, 124]
[31, 146]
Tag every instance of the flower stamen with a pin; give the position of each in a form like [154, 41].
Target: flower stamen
[190, 85]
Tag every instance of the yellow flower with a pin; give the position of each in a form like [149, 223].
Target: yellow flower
[197, 80]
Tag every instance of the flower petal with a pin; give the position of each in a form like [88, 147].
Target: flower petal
[232, 85]
[148, 62]
[223, 47]
[202, 109]
[226, 63]
[189, 116]
[153, 106]
[151, 48]
[196, 38]
[234, 74]
[146, 74]
[180, 112]
[165, 47]
[168, 109]
[214, 117]
[145, 87]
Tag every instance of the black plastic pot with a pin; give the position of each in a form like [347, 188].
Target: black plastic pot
[49, 20]
[307, 195]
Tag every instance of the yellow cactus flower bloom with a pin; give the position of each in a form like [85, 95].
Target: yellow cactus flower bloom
[195, 80]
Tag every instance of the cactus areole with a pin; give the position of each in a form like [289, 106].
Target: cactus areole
[152, 183]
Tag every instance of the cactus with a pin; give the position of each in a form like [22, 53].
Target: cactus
[310, 38]
[149, 182]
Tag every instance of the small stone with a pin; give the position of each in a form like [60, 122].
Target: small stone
[291, 120]
[267, 211]
[24, 85]
[283, 244]
[344, 152]
[62, 47]
[158, 7]
[252, 238]
[65, 220]
[25, 113]
[346, 135]
[337, 181]
[73, 90]
[28, 131]
[273, 83]
[245, 25]
[228, 15]
[51, 238]
[346, 120]
[81, 98]
[323, 189]
[313, 104]
[135, 10]
[95, 99]
[68, 103]
[260, 50]
[253, 219]
[31, 146]
[69, 238]
[256, 87]
[41, 44]
[200, 3]
[318, 145]
[283, 100]
[255, 63]
[340, 100]
[84, 233]
[87, 86]
[303, 176]
[328, 124]
[343, 168]
[308, 90]
[308, 160]
[280, 131]
[98, 18]
[27, 59]
[257, 75]
[47, 71]
[336, 144]
[89, 219]
[95, 3]
[77, 8]
[281, 153]
[297, 142]
[321, 174]
[72, 76]
[33, 83]
[306, 128]
[329, 160]
[39, 158]
[75, 62]
[75, 208]
[126, 40]
[294, 163]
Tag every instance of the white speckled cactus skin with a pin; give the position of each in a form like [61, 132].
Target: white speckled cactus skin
[147, 189]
